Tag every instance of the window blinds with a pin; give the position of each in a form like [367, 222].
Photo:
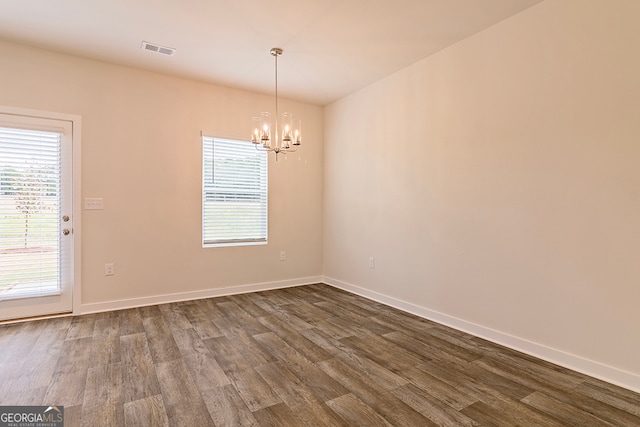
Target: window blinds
[29, 212]
[234, 197]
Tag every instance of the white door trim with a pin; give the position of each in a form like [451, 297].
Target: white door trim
[76, 189]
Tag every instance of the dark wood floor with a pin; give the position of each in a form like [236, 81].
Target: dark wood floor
[311, 355]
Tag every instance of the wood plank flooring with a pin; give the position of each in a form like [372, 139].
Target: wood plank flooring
[304, 356]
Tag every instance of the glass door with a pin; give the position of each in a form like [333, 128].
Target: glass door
[36, 224]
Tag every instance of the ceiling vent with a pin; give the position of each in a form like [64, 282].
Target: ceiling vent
[158, 49]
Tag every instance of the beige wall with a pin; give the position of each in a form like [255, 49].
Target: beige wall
[141, 152]
[498, 182]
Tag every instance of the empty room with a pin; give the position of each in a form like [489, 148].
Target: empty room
[340, 213]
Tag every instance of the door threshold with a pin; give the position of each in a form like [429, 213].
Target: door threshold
[30, 318]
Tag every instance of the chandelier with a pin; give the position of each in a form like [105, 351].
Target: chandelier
[284, 134]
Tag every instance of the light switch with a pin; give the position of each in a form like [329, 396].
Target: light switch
[93, 203]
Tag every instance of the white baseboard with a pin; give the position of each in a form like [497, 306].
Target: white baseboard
[194, 295]
[594, 369]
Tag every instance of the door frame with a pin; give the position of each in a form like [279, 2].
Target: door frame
[76, 127]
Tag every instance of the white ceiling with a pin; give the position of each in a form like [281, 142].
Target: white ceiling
[331, 47]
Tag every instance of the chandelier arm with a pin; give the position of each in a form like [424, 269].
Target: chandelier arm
[290, 149]
[262, 148]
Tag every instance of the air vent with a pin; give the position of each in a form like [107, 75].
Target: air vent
[158, 49]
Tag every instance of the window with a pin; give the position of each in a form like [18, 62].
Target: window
[234, 193]
[29, 212]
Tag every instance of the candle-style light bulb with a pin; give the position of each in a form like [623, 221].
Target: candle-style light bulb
[286, 134]
[266, 136]
[296, 137]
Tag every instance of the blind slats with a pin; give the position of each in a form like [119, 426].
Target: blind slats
[29, 208]
[234, 192]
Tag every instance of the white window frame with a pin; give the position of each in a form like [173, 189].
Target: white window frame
[233, 187]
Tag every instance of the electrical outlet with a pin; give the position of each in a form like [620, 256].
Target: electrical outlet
[93, 203]
[283, 256]
[109, 269]
[372, 262]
